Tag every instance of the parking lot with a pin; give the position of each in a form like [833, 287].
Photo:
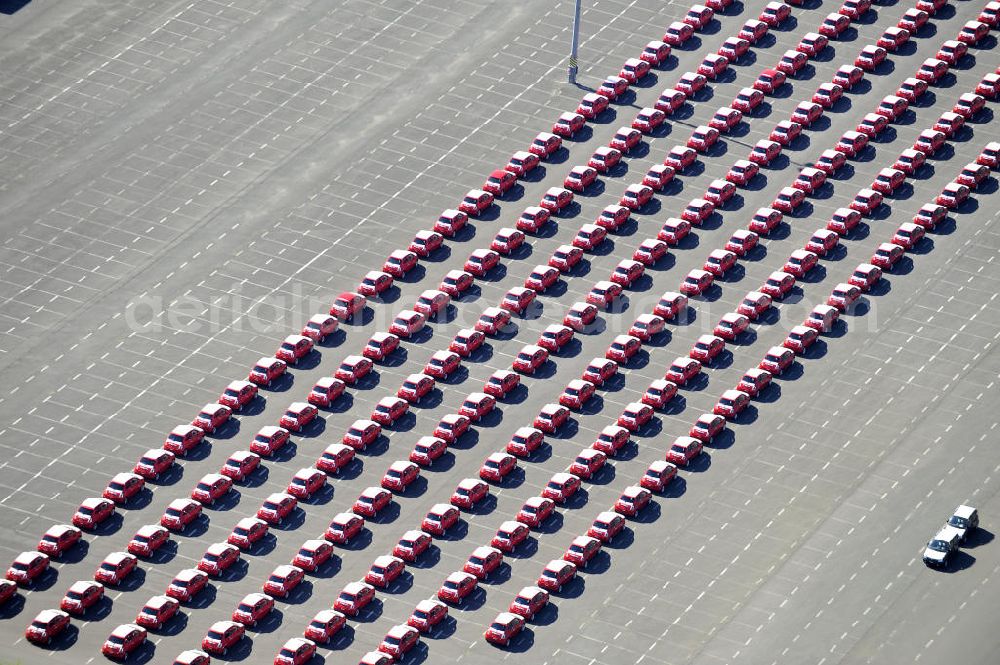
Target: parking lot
[186, 185]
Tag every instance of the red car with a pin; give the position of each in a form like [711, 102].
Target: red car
[506, 241]
[354, 598]
[442, 364]
[592, 105]
[123, 640]
[248, 531]
[371, 501]
[841, 297]
[179, 513]
[568, 124]
[625, 139]
[157, 611]
[634, 416]
[276, 507]
[682, 370]
[865, 276]
[677, 33]
[834, 24]
[658, 394]
[647, 326]
[211, 487]
[565, 257]
[788, 199]
[870, 57]
[450, 222]
[657, 477]
[186, 584]
[582, 550]
[466, 341]
[866, 201]
[764, 151]
[427, 449]
[800, 338]
[46, 626]
[389, 410]
[353, 368]
[703, 138]
[756, 303]
[650, 251]
[551, 417]
[525, 441]
[734, 47]
[769, 81]
[522, 163]
[886, 255]
[399, 641]
[800, 262]
[713, 65]
[326, 391]
[670, 100]
[427, 614]
[476, 202]
[80, 596]
[690, 83]
[554, 337]
[611, 439]
[785, 132]
[509, 535]
[600, 370]
[211, 417]
[451, 427]
[400, 262]
[467, 494]
[587, 463]
[499, 182]
[556, 574]
[719, 261]
[731, 325]
[267, 441]
[346, 305]
[185, 437]
[580, 177]
[483, 561]
[683, 450]
[910, 161]
[854, 9]
[343, 527]
[384, 571]
[680, 157]
[438, 520]
[123, 486]
[812, 44]
[535, 511]
[296, 651]
[148, 539]
[493, 320]
[843, 220]
[752, 30]
[580, 315]
[753, 381]
[501, 382]
[605, 158]
[457, 586]
[222, 636]
[218, 558]
[415, 386]
[400, 475]
[648, 119]
[742, 172]
[822, 242]
[747, 99]
[544, 144]
[425, 243]
[791, 62]
[530, 358]
[696, 282]
[725, 119]
[297, 416]
[519, 298]
[632, 500]
[655, 52]
[777, 359]
[622, 348]
[28, 567]
[235, 396]
[306, 482]
[636, 196]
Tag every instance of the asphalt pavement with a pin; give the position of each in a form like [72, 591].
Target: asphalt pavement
[186, 184]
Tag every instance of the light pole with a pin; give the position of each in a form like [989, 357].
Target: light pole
[573, 69]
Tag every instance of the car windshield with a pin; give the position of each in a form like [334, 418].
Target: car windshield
[677, 448]
[448, 584]
[938, 545]
[114, 639]
[959, 522]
